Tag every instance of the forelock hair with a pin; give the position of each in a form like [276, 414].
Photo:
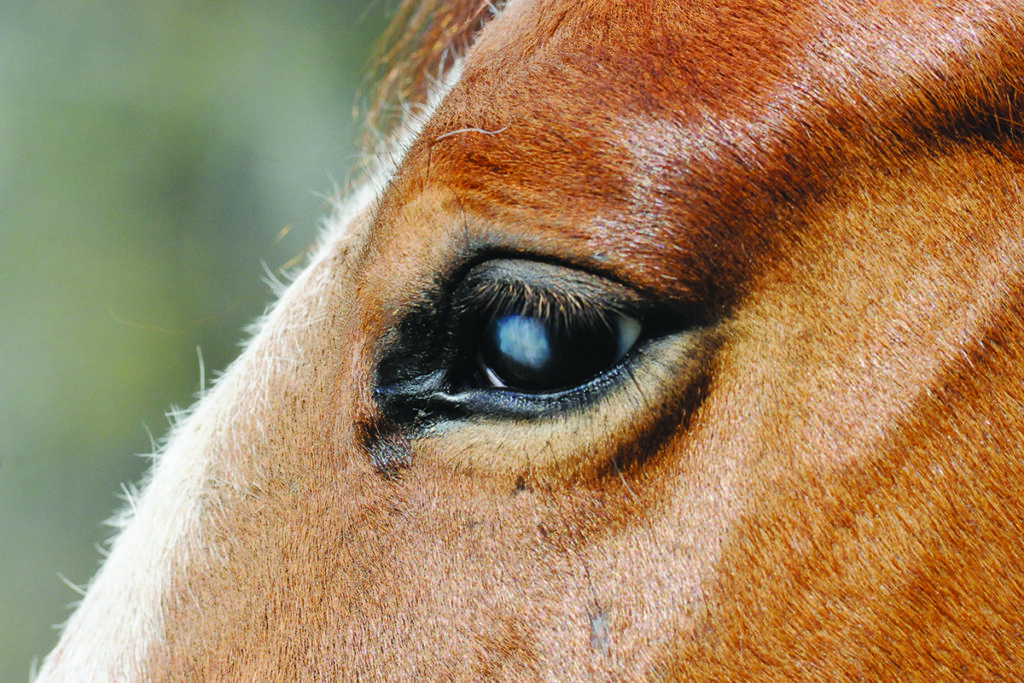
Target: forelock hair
[422, 43]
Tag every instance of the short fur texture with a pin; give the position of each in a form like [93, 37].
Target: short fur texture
[822, 480]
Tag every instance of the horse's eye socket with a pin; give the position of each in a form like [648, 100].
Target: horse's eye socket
[535, 353]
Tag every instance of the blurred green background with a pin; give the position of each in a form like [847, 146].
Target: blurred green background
[153, 157]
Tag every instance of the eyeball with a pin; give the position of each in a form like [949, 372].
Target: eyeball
[536, 353]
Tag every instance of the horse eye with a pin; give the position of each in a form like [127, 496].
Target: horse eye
[536, 353]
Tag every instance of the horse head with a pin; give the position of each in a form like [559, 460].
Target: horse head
[676, 339]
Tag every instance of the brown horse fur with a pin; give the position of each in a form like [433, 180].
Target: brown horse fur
[813, 470]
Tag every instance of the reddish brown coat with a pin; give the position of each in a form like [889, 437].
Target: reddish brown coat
[825, 483]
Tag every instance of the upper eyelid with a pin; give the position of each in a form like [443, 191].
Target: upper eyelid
[542, 289]
[538, 302]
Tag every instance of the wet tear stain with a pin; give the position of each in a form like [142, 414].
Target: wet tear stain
[600, 636]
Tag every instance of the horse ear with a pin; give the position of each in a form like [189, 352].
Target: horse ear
[422, 42]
